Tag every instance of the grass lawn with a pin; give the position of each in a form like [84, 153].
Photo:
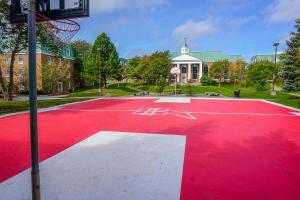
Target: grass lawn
[18, 106]
[112, 90]
[227, 91]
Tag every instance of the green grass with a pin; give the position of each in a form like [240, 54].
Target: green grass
[18, 106]
[112, 90]
[295, 103]
[227, 91]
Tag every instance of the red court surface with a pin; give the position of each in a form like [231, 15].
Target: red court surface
[235, 149]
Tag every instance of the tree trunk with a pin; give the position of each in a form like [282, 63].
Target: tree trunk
[11, 75]
[3, 86]
[220, 82]
[104, 80]
[11, 68]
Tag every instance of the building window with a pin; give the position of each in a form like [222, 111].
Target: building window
[183, 69]
[194, 72]
[68, 52]
[226, 75]
[21, 72]
[60, 87]
[7, 72]
[68, 64]
[205, 70]
[20, 60]
[49, 60]
[7, 59]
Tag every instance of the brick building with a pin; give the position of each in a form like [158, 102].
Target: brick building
[43, 58]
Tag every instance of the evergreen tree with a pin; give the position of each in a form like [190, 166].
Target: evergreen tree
[103, 60]
[82, 49]
[290, 72]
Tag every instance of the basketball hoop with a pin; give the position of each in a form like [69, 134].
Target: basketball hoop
[61, 30]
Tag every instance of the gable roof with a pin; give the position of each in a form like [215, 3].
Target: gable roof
[185, 57]
[209, 56]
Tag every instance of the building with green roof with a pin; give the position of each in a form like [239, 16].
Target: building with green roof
[44, 57]
[194, 65]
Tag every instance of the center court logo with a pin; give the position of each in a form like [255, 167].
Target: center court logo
[163, 111]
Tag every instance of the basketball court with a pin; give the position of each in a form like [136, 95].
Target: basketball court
[156, 148]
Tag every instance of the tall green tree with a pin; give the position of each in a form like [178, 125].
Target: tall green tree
[150, 69]
[290, 72]
[103, 60]
[260, 72]
[82, 49]
[218, 70]
[130, 71]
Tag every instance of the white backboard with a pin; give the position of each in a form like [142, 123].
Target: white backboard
[69, 4]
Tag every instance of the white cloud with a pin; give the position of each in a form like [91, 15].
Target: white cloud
[283, 10]
[195, 30]
[106, 6]
[240, 21]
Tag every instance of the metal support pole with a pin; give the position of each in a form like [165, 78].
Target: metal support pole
[175, 84]
[273, 81]
[35, 174]
[273, 86]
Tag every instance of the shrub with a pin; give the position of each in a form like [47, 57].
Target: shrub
[206, 81]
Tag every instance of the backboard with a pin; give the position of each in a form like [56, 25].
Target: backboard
[52, 9]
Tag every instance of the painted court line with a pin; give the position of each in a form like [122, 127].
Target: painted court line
[173, 100]
[110, 166]
[165, 111]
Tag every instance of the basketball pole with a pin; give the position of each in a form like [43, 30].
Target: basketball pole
[35, 174]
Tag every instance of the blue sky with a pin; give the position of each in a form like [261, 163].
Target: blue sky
[139, 27]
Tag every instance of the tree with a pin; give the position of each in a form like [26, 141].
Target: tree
[238, 71]
[219, 69]
[151, 69]
[260, 72]
[290, 72]
[13, 39]
[160, 65]
[132, 71]
[82, 49]
[52, 74]
[103, 60]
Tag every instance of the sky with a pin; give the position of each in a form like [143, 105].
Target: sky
[243, 27]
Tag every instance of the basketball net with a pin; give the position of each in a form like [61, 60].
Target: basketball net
[60, 31]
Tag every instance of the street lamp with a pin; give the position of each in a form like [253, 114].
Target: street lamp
[276, 44]
[99, 74]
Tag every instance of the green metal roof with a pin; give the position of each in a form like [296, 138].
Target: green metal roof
[266, 57]
[209, 56]
[67, 51]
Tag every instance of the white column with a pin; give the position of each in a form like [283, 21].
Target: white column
[189, 71]
[200, 70]
[178, 75]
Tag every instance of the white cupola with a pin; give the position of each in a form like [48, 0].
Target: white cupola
[185, 48]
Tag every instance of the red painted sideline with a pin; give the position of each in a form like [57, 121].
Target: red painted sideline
[227, 156]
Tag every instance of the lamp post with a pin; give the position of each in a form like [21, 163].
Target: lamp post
[276, 44]
[99, 74]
